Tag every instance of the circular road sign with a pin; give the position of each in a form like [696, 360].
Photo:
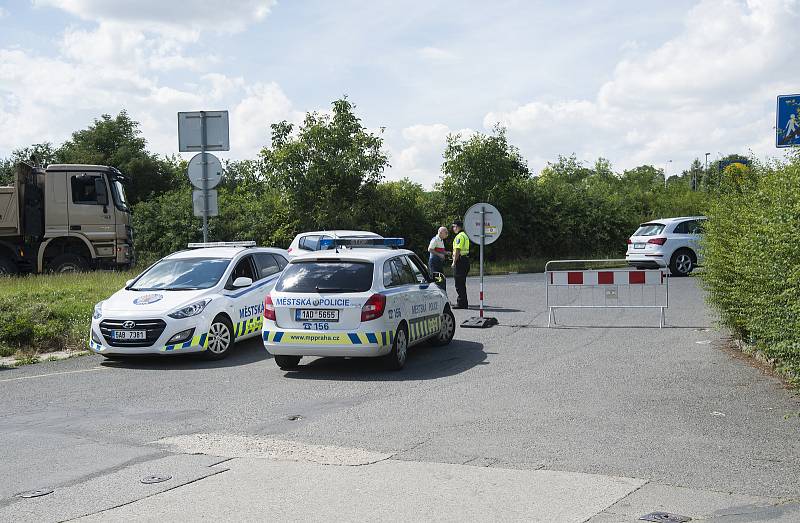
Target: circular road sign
[196, 170]
[492, 223]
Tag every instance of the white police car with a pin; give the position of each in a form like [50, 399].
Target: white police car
[201, 299]
[355, 302]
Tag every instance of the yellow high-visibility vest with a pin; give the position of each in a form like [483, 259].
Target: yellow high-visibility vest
[461, 242]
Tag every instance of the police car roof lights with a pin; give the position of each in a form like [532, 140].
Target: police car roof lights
[202, 245]
[328, 243]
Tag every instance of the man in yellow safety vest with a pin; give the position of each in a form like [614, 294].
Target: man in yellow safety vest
[460, 263]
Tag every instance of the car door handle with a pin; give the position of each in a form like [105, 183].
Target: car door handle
[74, 227]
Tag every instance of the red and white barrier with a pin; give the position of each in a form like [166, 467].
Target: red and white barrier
[606, 288]
[607, 277]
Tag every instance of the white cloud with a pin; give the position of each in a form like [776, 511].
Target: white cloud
[709, 88]
[250, 119]
[437, 55]
[184, 19]
[420, 156]
[3, 12]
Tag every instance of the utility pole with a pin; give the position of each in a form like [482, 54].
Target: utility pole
[665, 172]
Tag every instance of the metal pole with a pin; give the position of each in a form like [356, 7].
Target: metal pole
[205, 174]
[483, 240]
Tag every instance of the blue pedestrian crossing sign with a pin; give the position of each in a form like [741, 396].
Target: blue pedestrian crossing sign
[787, 124]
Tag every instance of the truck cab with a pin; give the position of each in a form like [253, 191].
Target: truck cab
[65, 218]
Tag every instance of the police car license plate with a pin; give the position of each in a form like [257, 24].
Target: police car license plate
[129, 335]
[316, 315]
[638, 246]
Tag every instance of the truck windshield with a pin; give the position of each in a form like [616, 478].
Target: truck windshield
[182, 274]
[120, 199]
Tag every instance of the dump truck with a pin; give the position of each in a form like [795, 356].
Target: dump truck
[64, 218]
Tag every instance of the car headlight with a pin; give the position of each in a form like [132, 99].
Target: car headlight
[190, 310]
[98, 311]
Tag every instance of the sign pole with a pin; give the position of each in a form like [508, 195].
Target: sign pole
[203, 145]
[483, 240]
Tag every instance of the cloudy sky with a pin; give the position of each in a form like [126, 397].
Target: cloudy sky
[635, 82]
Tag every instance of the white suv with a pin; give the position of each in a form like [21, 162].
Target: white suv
[671, 242]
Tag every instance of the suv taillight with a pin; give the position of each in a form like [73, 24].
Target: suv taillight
[657, 241]
[628, 241]
[374, 307]
[269, 308]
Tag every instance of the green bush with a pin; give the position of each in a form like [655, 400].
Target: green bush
[753, 259]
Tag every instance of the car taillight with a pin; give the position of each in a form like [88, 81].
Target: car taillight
[657, 241]
[269, 308]
[628, 241]
[374, 307]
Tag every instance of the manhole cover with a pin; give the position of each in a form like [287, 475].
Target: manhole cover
[147, 480]
[665, 517]
[34, 493]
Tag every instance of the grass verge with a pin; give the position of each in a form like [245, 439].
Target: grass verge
[44, 313]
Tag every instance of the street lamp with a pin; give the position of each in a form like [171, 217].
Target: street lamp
[665, 172]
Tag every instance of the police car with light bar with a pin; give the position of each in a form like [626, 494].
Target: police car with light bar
[346, 302]
[203, 299]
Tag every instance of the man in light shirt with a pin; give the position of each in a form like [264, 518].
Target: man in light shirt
[437, 254]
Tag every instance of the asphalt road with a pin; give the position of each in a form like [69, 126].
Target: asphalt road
[634, 417]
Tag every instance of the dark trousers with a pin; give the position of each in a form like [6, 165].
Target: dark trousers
[436, 264]
[460, 275]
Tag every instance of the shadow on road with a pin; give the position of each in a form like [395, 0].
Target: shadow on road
[424, 363]
[490, 308]
[243, 353]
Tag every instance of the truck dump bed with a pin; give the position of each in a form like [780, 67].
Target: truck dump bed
[9, 212]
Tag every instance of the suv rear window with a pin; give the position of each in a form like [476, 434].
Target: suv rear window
[326, 277]
[649, 229]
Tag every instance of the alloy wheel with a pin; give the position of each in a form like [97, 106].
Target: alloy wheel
[219, 338]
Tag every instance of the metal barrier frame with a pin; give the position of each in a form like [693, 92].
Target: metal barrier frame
[551, 313]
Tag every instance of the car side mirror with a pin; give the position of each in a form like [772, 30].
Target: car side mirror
[100, 191]
[438, 277]
[242, 281]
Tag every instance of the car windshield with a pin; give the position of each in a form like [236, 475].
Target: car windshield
[182, 274]
[326, 276]
[649, 229]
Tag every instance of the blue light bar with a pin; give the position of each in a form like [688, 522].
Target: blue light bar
[330, 243]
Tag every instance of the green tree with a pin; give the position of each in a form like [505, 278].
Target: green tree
[328, 170]
[118, 142]
[37, 154]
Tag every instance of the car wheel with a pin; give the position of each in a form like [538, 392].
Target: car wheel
[220, 339]
[447, 329]
[682, 263]
[397, 357]
[8, 267]
[67, 263]
[287, 362]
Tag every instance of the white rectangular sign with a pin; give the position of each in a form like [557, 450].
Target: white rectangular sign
[197, 203]
[190, 131]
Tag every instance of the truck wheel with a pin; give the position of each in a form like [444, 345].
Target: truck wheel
[66, 263]
[8, 267]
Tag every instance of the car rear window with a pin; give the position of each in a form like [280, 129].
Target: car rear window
[326, 277]
[649, 229]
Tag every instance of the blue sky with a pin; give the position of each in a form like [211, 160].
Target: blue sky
[635, 82]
